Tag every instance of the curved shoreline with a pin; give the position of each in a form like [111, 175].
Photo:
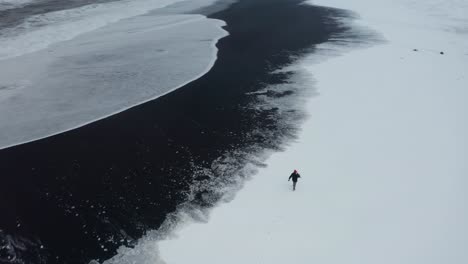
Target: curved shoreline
[109, 183]
[100, 112]
[41, 30]
[382, 157]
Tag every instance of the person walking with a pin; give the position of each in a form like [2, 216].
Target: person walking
[294, 176]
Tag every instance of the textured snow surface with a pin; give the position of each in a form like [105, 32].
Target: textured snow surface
[383, 156]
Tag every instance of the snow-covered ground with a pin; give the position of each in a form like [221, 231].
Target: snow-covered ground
[383, 156]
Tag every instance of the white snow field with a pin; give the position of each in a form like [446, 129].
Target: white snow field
[383, 156]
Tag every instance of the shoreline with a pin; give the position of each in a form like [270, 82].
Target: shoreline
[48, 114]
[106, 184]
[207, 69]
[382, 158]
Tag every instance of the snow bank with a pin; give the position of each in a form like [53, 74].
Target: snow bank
[383, 156]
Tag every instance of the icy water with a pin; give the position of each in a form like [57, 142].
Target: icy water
[63, 69]
[79, 195]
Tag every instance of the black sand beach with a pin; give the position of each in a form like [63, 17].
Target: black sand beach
[79, 195]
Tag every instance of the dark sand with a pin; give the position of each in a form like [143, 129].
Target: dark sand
[121, 176]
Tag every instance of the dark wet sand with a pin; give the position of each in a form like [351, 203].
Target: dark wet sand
[121, 176]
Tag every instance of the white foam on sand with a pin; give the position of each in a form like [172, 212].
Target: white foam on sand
[9, 4]
[103, 72]
[40, 31]
[383, 156]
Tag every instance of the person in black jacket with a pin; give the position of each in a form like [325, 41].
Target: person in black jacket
[294, 176]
